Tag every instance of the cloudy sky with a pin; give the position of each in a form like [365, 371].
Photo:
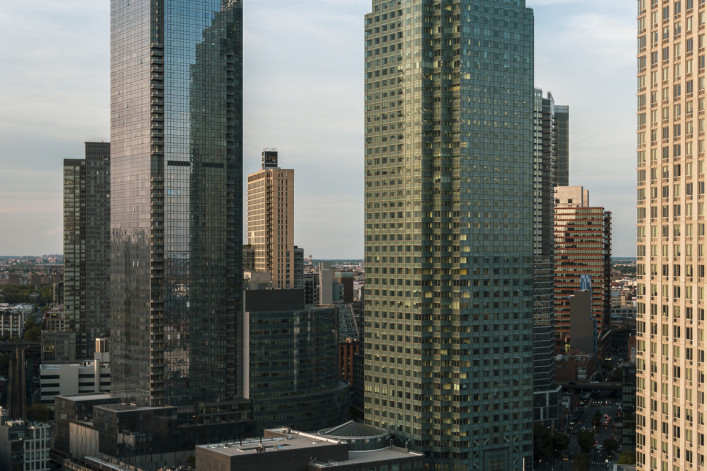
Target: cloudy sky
[303, 94]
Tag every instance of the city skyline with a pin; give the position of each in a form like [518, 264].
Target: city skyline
[304, 97]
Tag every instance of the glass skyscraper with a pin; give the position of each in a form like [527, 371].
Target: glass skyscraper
[176, 222]
[449, 229]
[86, 251]
[547, 393]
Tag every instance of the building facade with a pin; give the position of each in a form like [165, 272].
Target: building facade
[271, 220]
[87, 246]
[562, 143]
[24, 446]
[449, 229]
[582, 248]
[546, 397]
[670, 363]
[176, 211]
[70, 379]
[293, 374]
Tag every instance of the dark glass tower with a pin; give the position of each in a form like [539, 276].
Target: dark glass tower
[449, 229]
[562, 138]
[176, 173]
[87, 247]
[546, 398]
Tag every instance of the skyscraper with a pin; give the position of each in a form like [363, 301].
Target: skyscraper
[582, 248]
[670, 361]
[176, 212]
[87, 247]
[449, 229]
[271, 220]
[546, 397]
[562, 144]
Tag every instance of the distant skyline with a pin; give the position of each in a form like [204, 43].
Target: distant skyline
[303, 94]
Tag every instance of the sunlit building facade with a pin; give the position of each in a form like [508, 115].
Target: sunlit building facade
[670, 348]
[271, 220]
[449, 229]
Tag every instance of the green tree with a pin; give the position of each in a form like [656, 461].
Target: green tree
[560, 442]
[627, 457]
[597, 419]
[585, 440]
[542, 441]
[581, 462]
[38, 412]
[45, 294]
[611, 445]
[33, 330]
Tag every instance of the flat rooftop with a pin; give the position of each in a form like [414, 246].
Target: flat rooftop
[289, 441]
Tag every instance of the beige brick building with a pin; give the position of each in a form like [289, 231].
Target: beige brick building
[670, 364]
[271, 220]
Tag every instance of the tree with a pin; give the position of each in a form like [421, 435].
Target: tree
[542, 441]
[38, 412]
[611, 445]
[581, 462]
[597, 419]
[560, 442]
[46, 294]
[33, 330]
[627, 457]
[585, 440]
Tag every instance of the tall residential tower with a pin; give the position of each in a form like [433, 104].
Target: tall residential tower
[449, 229]
[176, 212]
[271, 220]
[87, 247]
[670, 348]
[547, 393]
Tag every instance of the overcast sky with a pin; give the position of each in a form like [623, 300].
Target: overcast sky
[303, 94]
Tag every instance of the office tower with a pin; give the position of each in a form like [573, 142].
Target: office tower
[449, 229]
[87, 247]
[562, 143]
[546, 397]
[176, 211]
[582, 248]
[271, 220]
[670, 363]
[292, 375]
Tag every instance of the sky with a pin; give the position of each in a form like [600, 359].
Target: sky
[303, 94]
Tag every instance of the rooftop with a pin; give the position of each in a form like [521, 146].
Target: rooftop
[289, 441]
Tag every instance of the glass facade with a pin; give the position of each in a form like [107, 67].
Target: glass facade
[562, 138]
[546, 397]
[86, 249]
[176, 220]
[449, 229]
[294, 380]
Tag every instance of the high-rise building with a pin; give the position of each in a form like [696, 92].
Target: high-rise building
[582, 248]
[87, 247]
[670, 362]
[271, 220]
[562, 143]
[546, 398]
[449, 229]
[176, 211]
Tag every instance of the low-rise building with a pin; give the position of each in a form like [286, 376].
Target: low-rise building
[24, 445]
[348, 447]
[70, 379]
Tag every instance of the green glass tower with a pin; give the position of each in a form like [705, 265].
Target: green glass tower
[176, 211]
[449, 229]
